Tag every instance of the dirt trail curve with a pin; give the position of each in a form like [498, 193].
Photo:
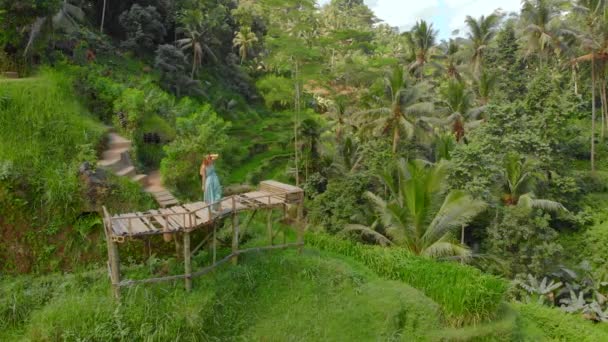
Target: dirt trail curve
[117, 160]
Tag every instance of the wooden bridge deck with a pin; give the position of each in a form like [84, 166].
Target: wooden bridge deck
[188, 217]
[191, 216]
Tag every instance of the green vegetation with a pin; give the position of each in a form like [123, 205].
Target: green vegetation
[457, 187]
[313, 296]
[465, 294]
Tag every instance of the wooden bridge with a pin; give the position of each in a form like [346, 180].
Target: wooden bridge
[184, 219]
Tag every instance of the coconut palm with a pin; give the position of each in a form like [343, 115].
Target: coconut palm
[519, 180]
[403, 105]
[451, 55]
[481, 32]
[595, 42]
[421, 39]
[338, 115]
[66, 18]
[542, 26]
[244, 40]
[485, 84]
[459, 102]
[410, 215]
[192, 22]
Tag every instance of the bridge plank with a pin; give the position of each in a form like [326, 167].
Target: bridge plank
[158, 217]
[137, 225]
[187, 220]
[201, 214]
[263, 197]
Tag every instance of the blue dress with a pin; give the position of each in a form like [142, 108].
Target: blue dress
[213, 188]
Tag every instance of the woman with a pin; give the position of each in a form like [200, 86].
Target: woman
[211, 183]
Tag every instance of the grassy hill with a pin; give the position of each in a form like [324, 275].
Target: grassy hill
[275, 296]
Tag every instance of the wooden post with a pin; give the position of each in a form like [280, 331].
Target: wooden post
[187, 261]
[300, 224]
[167, 237]
[214, 242]
[235, 233]
[269, 223]
[113, 257]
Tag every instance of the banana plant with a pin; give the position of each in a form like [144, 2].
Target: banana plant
[540, 291]
[576, 303]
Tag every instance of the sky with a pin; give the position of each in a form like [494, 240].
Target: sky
[446, 15]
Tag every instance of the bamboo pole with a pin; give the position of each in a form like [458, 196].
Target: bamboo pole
[235, 234]
[214, 242]
[113, 256]
[269, 223]
[167, 237]
[187, 261]
[300, 224]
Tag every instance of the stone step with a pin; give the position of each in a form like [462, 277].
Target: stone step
[141, 179]
[114, 153]
[115, 141]
[128, 171]
[110, 164]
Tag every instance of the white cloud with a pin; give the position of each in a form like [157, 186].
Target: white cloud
[446, 15]
[459, 9]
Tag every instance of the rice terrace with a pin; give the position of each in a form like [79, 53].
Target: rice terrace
[303, 170]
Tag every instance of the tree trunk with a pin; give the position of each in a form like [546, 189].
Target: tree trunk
[593, 112]
[103, 16]
[395, 139]
[575, 78]
[295, 124]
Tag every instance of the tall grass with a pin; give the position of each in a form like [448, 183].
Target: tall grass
[466, 295]
[45, 136]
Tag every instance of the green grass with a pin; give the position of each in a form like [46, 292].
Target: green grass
[273, 296]
[541, 323]
[465, 294]
[46, 136]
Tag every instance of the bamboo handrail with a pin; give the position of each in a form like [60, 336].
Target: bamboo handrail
[207, 205]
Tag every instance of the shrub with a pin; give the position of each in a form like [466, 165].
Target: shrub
[171, 63]
[465, 294]
[340, 203]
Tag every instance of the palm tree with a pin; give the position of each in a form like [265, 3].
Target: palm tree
[542, 31]
[452, 58]
[519, 180]
[192, 22]
[595, 41]
[421, 39]
[244, 40]
[485, 84]
[410, 215]
[66, 18]
[460, 104]
[338, 115]
[404, 102]
[481, 32]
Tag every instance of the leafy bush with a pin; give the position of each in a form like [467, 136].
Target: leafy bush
[341, 202]
[171, 63]
[524, 242]
[465, 294]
